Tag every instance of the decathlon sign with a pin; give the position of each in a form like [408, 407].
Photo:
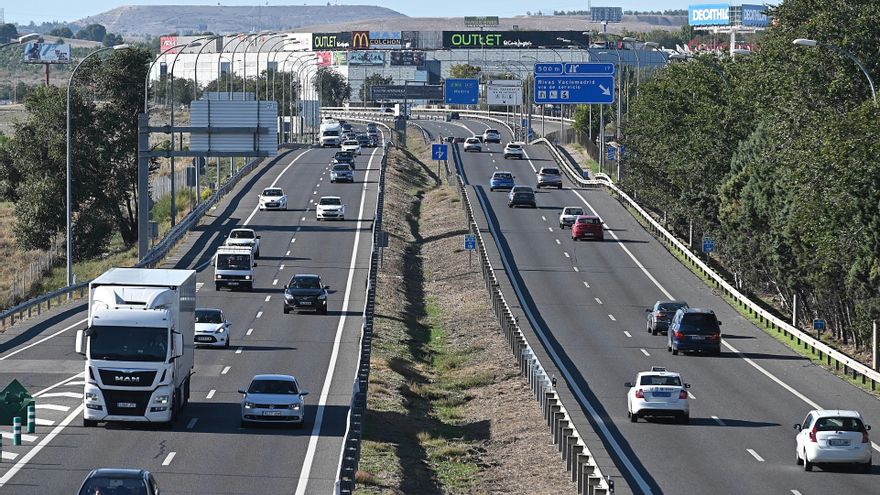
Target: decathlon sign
[755, 16]
[716, 14]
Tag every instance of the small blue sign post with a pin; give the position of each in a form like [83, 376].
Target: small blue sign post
[439, 151]
[708, 245]
[819, 325]
[461, 91]
[470, 245]
[610, 153]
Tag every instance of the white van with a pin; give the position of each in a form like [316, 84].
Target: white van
[234, 267]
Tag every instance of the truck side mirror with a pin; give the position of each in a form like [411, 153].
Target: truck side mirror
[255, 264]
[178, 345]
[80, 342]
[628, 384]
[304, 392]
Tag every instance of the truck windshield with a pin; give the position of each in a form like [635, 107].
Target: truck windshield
[233, 262]
[115, 343]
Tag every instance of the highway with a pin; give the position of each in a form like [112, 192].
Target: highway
[589, 300]
[207, 451]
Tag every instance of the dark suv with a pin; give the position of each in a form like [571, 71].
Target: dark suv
[694, 329]
[521, 196]
[344, 157]
[304, 291]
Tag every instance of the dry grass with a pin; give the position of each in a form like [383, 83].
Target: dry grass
[14, 261]
[9, 115]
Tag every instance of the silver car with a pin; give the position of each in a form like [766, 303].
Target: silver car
[273, 399]
[472, 144]
[549, 177]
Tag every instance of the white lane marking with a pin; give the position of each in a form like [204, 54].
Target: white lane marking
[24, 436]
[795, 492]
[257, 208]
[303, 481]
[314, 192]
[557, 241]
[44, 422]
[249, 331]
[268, 297]
[169, 458]
[587, 285]
[210, 393]
[238, 351]
[9, 456]
[36, 449]
[53, 407]
[285, 254]
[259, 314]
[755, 455]
[612, 317]
[293, 240]
[199, 285]
[282, 266]
[192, 422]
[543, 218]
[225, 370]
[303, 219]
[576, 269]
[690, 395]
[719, 421]
[275, 282]
[627, 334]
[566, 254]
[645, 352]
[550, 228]
[598, 301]
[72, 395]
[59, 332]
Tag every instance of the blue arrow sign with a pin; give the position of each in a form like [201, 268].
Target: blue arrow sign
[591, 69]
[439, 151]
[708, 244]
[462, 91]
[610, 154]
[470, 242]
[574, 89]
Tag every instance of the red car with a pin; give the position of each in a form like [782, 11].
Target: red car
[587, 227]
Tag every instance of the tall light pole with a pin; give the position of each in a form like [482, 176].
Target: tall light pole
[21, 40]
[244, 39]
[846, 53]
[256, 42]
[196, 65]
[260, 49]
[173, 178]
[70, 164]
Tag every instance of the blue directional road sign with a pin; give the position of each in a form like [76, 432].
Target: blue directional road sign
[610, 153]
[470, 242]
[708, 244]
[439, 151]
[462, 91]
[570, 83]
[818, 325]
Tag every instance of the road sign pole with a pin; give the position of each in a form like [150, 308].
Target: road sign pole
[16, 431]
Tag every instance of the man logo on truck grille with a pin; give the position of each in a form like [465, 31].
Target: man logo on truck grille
[127, 379]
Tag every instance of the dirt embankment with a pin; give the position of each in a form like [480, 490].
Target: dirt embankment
[448, 412]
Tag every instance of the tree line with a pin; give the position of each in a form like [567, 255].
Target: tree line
[775, 156]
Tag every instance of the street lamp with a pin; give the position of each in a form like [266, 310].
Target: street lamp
[841, 51]
[70, 164]
[21, 40]
[260, 49]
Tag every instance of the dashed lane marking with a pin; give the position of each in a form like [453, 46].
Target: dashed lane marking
[249, 331]
[598, 301]
[225, 370]
[645, 352]
[690, 395]
[755, 455]
[627, 334]
[576, 269]
[587, 285]
[259, 314]
[169, 458]
[71, 395]
[268, 297]
[612, 317]
[192, 422]
[199, 285]
[558, 242]
[238, 351]
[566, 255]
[275, 282]
[210, 393]
[719, 421]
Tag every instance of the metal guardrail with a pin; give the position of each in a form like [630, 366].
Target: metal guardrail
[579, 461]
[152, 257]
[851, 366]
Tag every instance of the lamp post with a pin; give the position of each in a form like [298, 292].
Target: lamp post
[70, 164]
[222, 51]
[289, 75]
[259, 50]
[196, 65]
[846, 53]
[173, 178]
[21, 40]
[256, 42]
[243, 39]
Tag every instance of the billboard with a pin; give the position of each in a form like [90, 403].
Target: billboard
[755, 16]
[340, 58]
[401, 92]
[478, 21]
[324, 58]
[606, 14]
[510, 39]
[360, 40]
[386, 40]
[166, 43]
[715, 14]
[366, 58]
[46, 53]
[331, 41]
[407, 58]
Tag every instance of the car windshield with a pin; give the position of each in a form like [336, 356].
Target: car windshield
[343, 154]
[106, 486]
[839, 424]
[521, 189]
[241, 234]
[491, 131]
[589, 220]
[233, 262]
[209, 316]
[550, 171]
[330, 202]
[513, 146]
[117, 343]
[304, 283]
[278, 387]
[671, 306]
[671, 381]
[272, 192]
[699, 323]
[331, 133]
[573, 211]
[472, 141]
[340, 168]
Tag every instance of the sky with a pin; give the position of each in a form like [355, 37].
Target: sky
[67, 10]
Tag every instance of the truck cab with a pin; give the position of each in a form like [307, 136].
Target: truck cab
[234, 267]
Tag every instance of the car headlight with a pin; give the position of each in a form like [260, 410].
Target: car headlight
[218, 277]
[295, 407]
[288, 295]
[90, 397]
[322, 297]
[221, 330]
[161, 399]
[247, 277]
[249, 405]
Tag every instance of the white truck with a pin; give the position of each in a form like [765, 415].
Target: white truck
[138, 345]
[234, 267]
[330, 133]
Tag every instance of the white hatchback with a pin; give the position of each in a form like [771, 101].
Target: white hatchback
[273, 198]
[352, 145]
[212, 329]
[330, 208]
[658, 393]
[833, 437]
[472, 144]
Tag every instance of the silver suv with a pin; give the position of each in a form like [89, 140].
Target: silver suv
[549, 177]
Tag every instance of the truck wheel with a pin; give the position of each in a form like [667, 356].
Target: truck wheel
[89, 423]
[217, 287]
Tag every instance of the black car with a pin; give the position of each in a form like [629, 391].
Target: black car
[304, 291]
[694, 330]
[521, 196]
[661, 314]
[112, 480]
[363, 140]
[344, 157]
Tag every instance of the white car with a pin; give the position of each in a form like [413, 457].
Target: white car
[273, 198]
[513, 150]
[472, 144]
[273, 399]
[658, 393]
[212, 329]
[244, 237]
[330, 207]
[833, 437]
[569, 215]
[491, 136]
[351, 145]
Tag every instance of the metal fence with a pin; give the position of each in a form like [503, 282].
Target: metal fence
[26, 276]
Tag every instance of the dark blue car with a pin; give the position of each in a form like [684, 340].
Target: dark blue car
[694, 330]
[501, 180]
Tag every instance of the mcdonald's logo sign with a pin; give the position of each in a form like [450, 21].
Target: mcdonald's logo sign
[360, 40]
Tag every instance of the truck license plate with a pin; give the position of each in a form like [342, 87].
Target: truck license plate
[127, 405]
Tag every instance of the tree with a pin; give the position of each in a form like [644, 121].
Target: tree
[464, 71]
[62, 32]
[111, 39]
[7, 32]
[92, 32]
[333, 88]
[370, 81]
